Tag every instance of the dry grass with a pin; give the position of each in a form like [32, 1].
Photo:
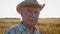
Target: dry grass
[44, 25]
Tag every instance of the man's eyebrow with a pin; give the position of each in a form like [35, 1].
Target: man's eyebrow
[37, 10]
[29, 10]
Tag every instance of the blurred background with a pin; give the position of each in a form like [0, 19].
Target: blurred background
[51, 9]
[44, 25]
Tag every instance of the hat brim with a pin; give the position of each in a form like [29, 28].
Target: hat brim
[24, 4]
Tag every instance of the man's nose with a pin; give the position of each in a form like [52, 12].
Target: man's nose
[34, 15]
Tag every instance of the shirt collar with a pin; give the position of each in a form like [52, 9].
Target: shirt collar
[24, 26]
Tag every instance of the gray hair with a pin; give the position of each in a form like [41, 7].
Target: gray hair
[25, 8]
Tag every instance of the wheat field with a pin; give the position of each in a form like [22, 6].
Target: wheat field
[44, 25]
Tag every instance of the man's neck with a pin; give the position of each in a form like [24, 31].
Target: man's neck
[30, 27]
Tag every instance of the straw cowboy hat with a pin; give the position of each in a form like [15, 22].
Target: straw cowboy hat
[29, 3]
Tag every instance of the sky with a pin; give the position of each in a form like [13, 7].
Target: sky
[51, 9]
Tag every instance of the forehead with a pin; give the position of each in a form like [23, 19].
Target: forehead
[31, 8]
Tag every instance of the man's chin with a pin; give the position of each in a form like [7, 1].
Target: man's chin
[33, 23]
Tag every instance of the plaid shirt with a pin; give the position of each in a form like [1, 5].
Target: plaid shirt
[19, 29]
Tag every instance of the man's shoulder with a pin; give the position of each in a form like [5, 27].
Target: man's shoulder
[14, 28]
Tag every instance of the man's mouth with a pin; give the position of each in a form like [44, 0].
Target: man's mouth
[33, 20]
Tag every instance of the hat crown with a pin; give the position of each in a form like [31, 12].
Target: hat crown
[31, 1]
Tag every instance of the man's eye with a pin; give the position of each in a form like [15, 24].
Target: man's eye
[36, 12]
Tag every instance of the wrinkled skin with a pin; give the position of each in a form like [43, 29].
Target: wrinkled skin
[30, 16]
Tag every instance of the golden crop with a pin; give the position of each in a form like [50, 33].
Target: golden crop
[44, 25]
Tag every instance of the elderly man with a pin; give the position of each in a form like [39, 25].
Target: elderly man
[29, 10]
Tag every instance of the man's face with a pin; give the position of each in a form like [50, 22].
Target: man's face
[30, 15]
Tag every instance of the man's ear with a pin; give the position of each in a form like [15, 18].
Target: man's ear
[21, 13]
